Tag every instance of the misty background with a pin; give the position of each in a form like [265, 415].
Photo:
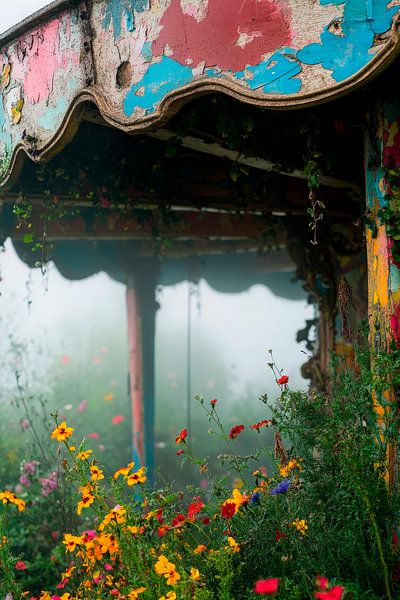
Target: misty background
[65, 344]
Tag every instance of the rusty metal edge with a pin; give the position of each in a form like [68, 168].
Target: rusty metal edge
[36, 19]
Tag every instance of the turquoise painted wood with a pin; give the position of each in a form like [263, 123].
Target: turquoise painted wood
[137, 60]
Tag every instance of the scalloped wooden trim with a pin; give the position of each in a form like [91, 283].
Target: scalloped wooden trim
[173, 101]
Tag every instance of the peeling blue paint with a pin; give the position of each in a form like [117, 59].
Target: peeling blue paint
[116, 10]
[160, 79]
[348, 51]
[53, 115]
[147, 51]
[275, 75]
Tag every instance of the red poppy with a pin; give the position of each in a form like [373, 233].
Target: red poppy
[282, 380]
[180, 439]
[194, 508]
[205, 520]
[334, 594]
[228, 509]
[262, 423]
[322, 583]
[234, 432]
[279, 536]
[266, 586]
[213, 402]
[20, 565]
[178, 520]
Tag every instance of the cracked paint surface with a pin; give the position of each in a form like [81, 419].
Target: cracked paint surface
[282, 48]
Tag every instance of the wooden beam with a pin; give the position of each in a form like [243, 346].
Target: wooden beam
[218, 150]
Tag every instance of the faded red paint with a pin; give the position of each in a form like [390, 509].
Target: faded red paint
[395, 325]
[38, 60]
[391, 145]
[264, 23]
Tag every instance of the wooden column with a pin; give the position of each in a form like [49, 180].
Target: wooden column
[141, 311]
[382, 172]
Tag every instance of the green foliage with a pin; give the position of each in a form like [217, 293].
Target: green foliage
[325, 508]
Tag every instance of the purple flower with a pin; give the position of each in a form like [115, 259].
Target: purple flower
[24, 480]
[281, 488]
[29, 468]
[255, 498]
[49, 483]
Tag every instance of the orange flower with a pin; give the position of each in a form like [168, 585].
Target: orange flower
[84, 454]
[134, 594]
[62, 432]
[71, 542]
[10, 498]
[96, 473]
[168, 569]
[87, 498]
[233, 544]
[124, 471]
[137, 477]
[194, 574]
[200, 548]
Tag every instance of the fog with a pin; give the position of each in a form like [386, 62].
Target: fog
[13, 12]
[67, 341]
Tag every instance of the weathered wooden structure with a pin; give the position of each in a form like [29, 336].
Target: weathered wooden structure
[131, 129]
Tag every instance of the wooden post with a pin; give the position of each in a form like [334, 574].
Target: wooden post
[382, 169]
[141, 312]
[135, 371]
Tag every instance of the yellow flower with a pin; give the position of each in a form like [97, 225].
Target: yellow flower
[134, 594]
[124, 471]
[168, 569]
[137, 477]
[96, 473]
[200, 548]
[233, 544]
[10, 498]
[301, 525]
[194, 574]
[116, 515]
[71, 541]
[87, 498]
[133, 528]
[84, 454]
[62, 432]
[292, 464]
[169, 596]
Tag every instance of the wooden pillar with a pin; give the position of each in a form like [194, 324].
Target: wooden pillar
[383, 209]
[141, 312]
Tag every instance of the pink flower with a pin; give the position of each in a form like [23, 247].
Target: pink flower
[94, 435]
[20, 565]
[108, 567]
[30, 467]
[25, 424]
[102, 447]
[19, 489]
[82, 406]
[283, 380]
[266, 586]
[117, 419]
[65, 360]
[24, 480]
